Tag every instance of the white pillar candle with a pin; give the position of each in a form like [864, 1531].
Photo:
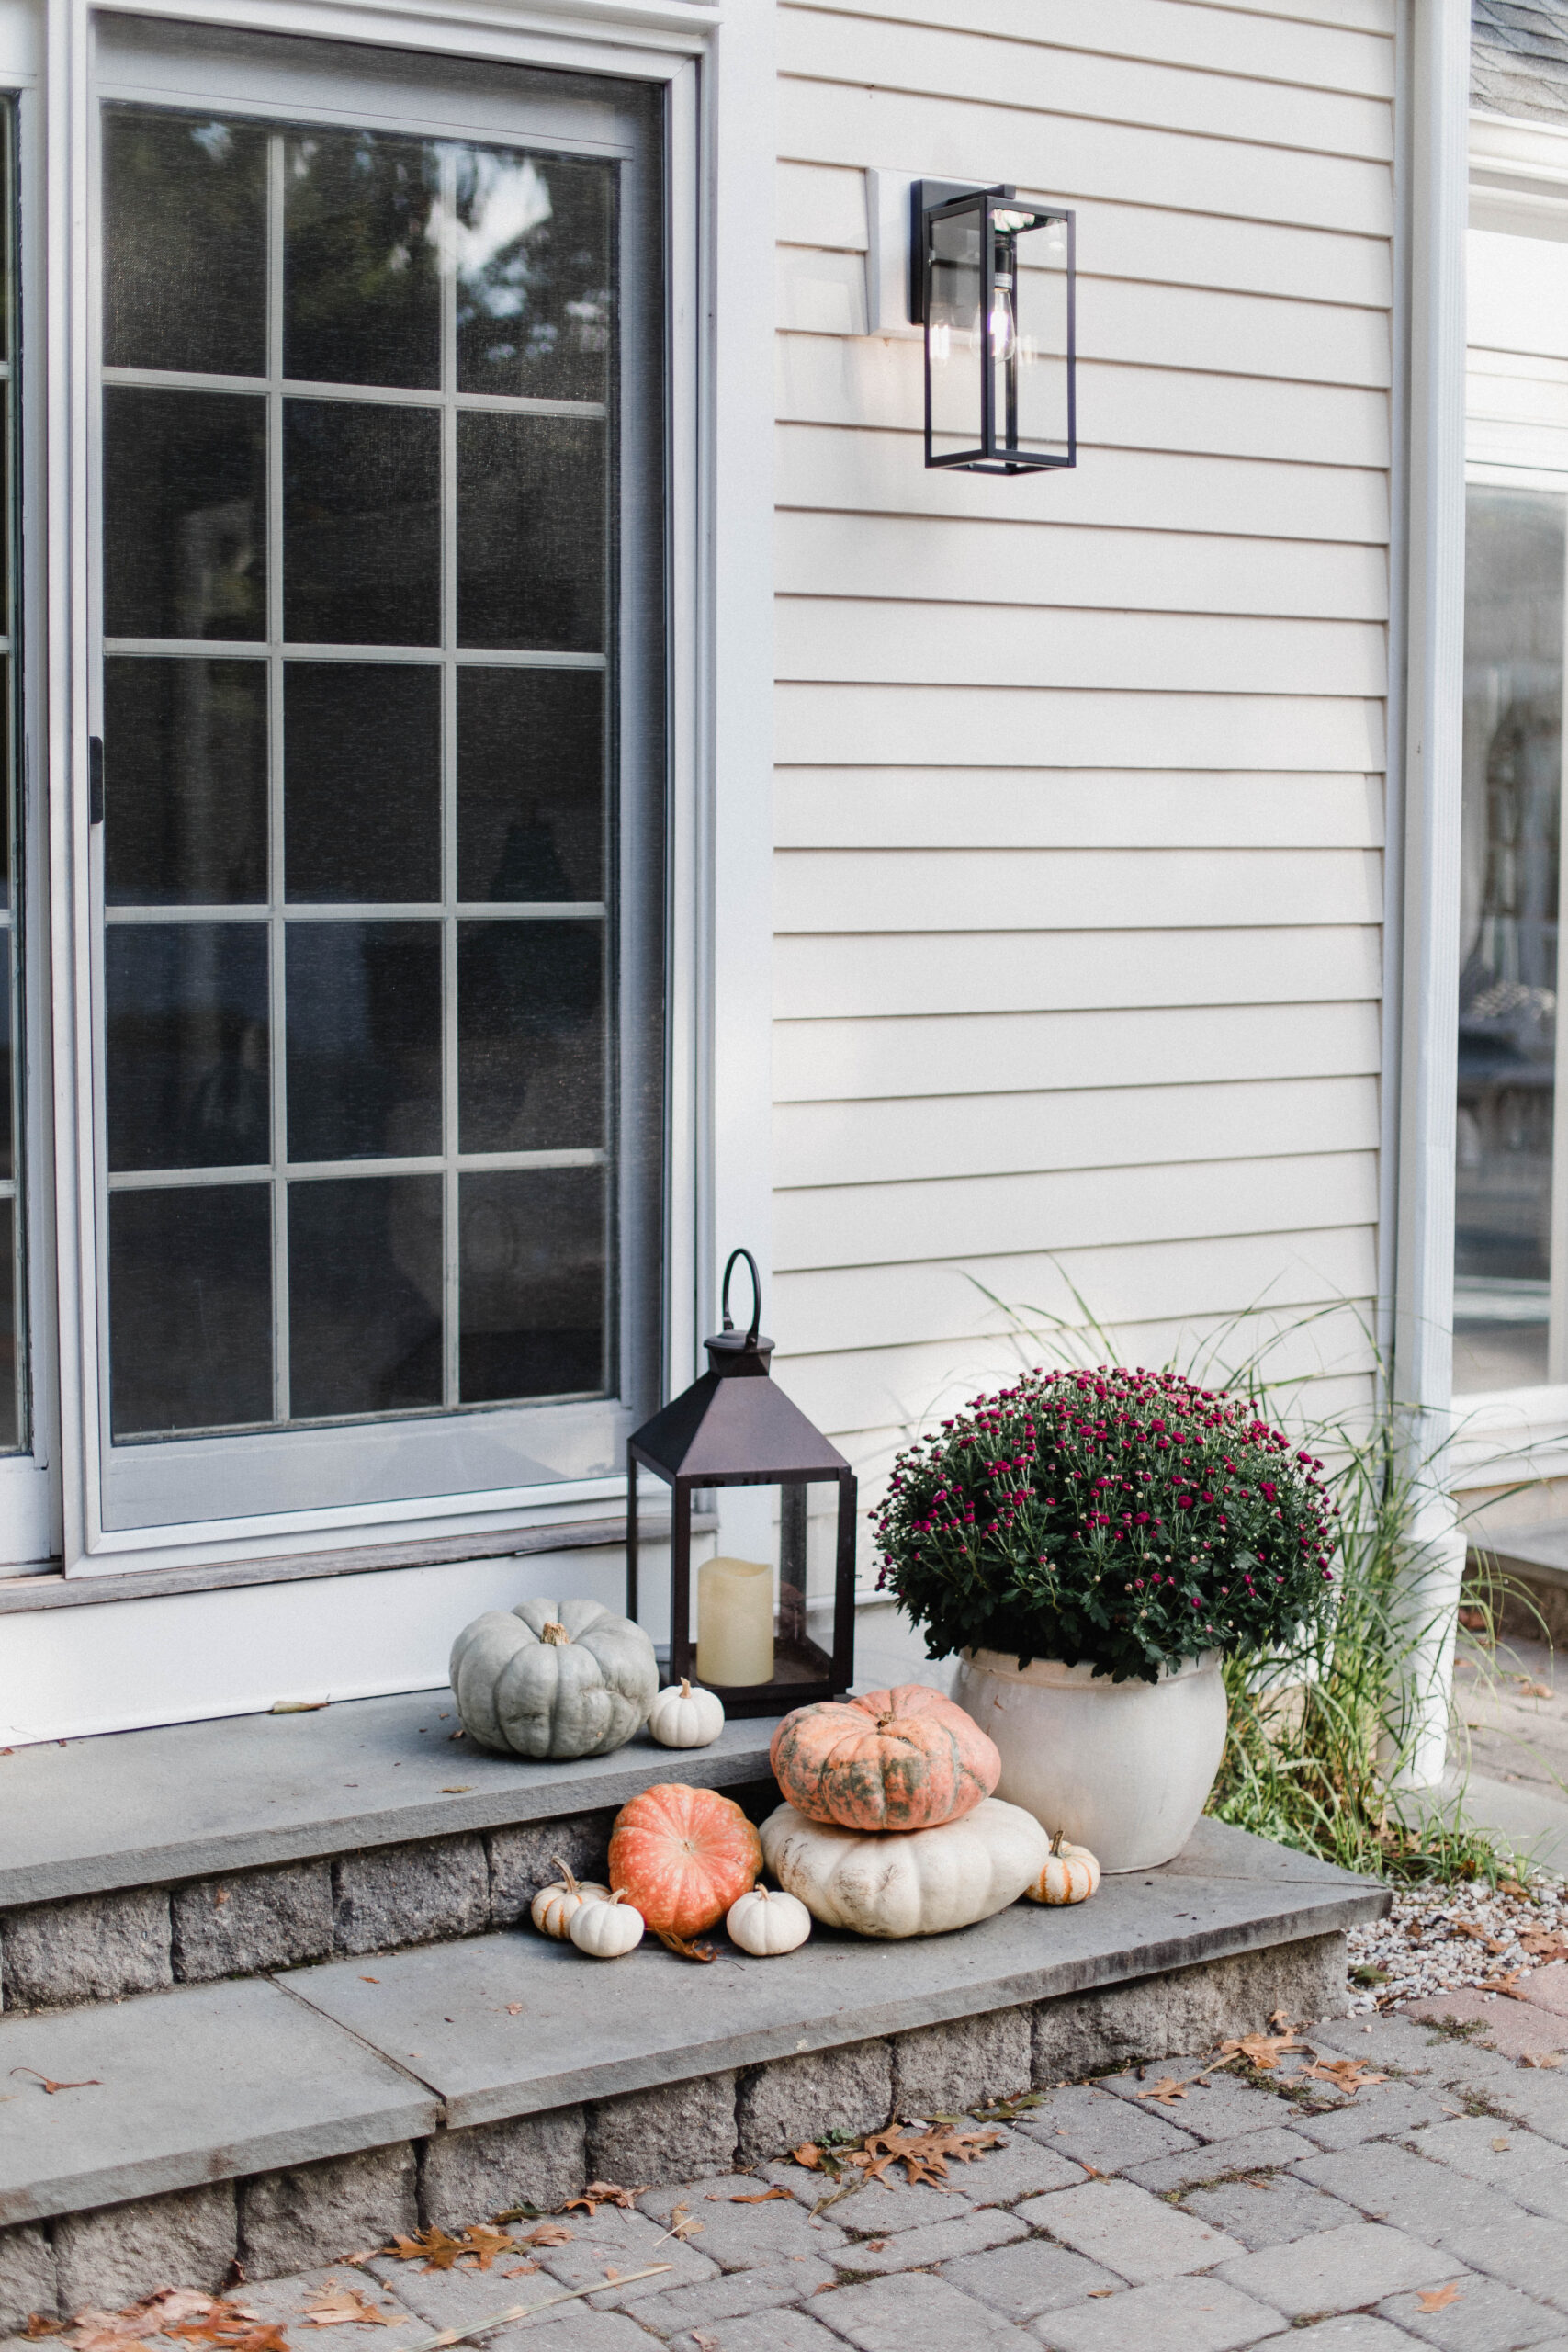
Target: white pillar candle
[735, 1622]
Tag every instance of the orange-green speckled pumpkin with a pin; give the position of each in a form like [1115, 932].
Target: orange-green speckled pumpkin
[895, 1760]
[683, 1856]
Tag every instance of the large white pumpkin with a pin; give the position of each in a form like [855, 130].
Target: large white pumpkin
[907, 1882]
[553, 1679]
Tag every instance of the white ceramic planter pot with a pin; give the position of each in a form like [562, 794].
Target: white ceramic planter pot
[1122, 1767]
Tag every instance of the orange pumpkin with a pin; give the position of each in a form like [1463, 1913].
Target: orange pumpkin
[895, 1760]
[683, 1856]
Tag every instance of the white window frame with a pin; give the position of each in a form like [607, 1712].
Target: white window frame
[718, 76]
[1518, 171]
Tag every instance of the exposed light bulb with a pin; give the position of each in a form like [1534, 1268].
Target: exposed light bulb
[1003, 323]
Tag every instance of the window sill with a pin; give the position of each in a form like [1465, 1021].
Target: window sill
[54, 1590]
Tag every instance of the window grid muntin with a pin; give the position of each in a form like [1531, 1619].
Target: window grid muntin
[12, 1189]
[275, 650]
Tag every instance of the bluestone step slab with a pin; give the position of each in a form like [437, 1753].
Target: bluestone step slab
[586, 2029]
[196, 2084]
[246, 1791]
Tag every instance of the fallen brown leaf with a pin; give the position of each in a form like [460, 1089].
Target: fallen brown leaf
[1164, 2090]
[600, 2193]
[39, 2326]
[1544, 1943]
[339, 2306]
[1097, 2294]
[1261, 2050]
[1093, 2170]
[704, 2341]
[297, 1706]
[522, 2270]
[370, 1979]
[876, 2245]
[1548, 2058]
[685, 1951]
[1347, 2074]
[515, 2009]
[1438, 2299]
[547, 2233]
[764, 2197]
[462, 1786]
[1512, 1886]
[438, 2250]
[809, 2155]
[925, 2155]
[44, 2082]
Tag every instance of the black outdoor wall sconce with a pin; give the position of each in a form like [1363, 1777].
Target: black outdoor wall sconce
[733, 1428]
[993, 282]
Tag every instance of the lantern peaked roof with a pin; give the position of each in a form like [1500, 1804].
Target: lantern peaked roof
[737, 1430]
[1518, 58]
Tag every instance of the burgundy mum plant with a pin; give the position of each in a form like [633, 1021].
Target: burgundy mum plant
[1123, 1520]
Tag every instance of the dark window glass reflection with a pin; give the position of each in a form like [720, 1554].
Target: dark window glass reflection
[10, 1382]
[365, 1273]
[361, 524]
[184, 782]
[530, 1036]
[362, 781]
[533, 1284]
[361, 294]
[535, 299]
[184, 538]
[1508, 918]
[190, 1308]
[185, 243]
[186, 1017]
[7, 1151]
[364, 1040]
[530, 785]
[530, 533]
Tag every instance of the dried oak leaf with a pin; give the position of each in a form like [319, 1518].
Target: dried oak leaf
[1438, 2299]
[339, 2306]
[39, 2326]
[1544, 1943]
[809, 2155]
[764, 2197]
[547, 2233]
[1261, 2050]
[1164, 2090]
[438, 2250]
[1347, 2074]
[925, 2155]
[685, 1951]
[600, 2193]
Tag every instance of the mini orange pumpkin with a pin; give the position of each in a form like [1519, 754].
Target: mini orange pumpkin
[895, 1760]
[683, 1856]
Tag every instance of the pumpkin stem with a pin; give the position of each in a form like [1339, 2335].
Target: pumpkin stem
[569, 1882]
[685, 1688]
[556, 1635]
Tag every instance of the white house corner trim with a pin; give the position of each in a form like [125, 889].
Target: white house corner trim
[1437, 91]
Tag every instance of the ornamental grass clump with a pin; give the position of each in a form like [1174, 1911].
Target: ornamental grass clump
[1124, 1519]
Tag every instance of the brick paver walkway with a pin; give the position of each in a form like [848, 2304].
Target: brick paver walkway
[1430, 2208]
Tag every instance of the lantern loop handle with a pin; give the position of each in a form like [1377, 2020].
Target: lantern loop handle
[756, 1295]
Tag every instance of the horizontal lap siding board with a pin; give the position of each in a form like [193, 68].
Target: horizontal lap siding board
[1079, 801]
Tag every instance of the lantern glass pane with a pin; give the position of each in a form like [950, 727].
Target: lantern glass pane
[953, 332]
[1035, 422]
[762, 1606]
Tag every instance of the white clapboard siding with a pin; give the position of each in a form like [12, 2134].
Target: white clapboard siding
[821, 976]
[1065, 565]
[1123, 890]
[979, 1134]
[900, 808]
[869, 381]
[1003, 644]
[1311, 1334]
[829, 46]
[878, 1307]
[849, 125]
[823, 207]
[1043, 727]
[1079, 799]
[881, 472]
[1072, 1208]
[1324, 55]
[953, 1054]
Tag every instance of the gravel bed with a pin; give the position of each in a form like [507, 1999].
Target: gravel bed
[1436, 1938]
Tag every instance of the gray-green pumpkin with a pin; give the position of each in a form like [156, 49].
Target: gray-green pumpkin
[553, 1679]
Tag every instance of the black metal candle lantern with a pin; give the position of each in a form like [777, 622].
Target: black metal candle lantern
[993, 282]
[734, 1428]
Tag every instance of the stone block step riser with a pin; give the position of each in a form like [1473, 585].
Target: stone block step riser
[277, 2223]
[247, 1923]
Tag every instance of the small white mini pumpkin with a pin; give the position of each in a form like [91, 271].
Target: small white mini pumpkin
[764, 1922]
[554, 1907]
[686, 1718]
[606, 1930]
[1071, 1874]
